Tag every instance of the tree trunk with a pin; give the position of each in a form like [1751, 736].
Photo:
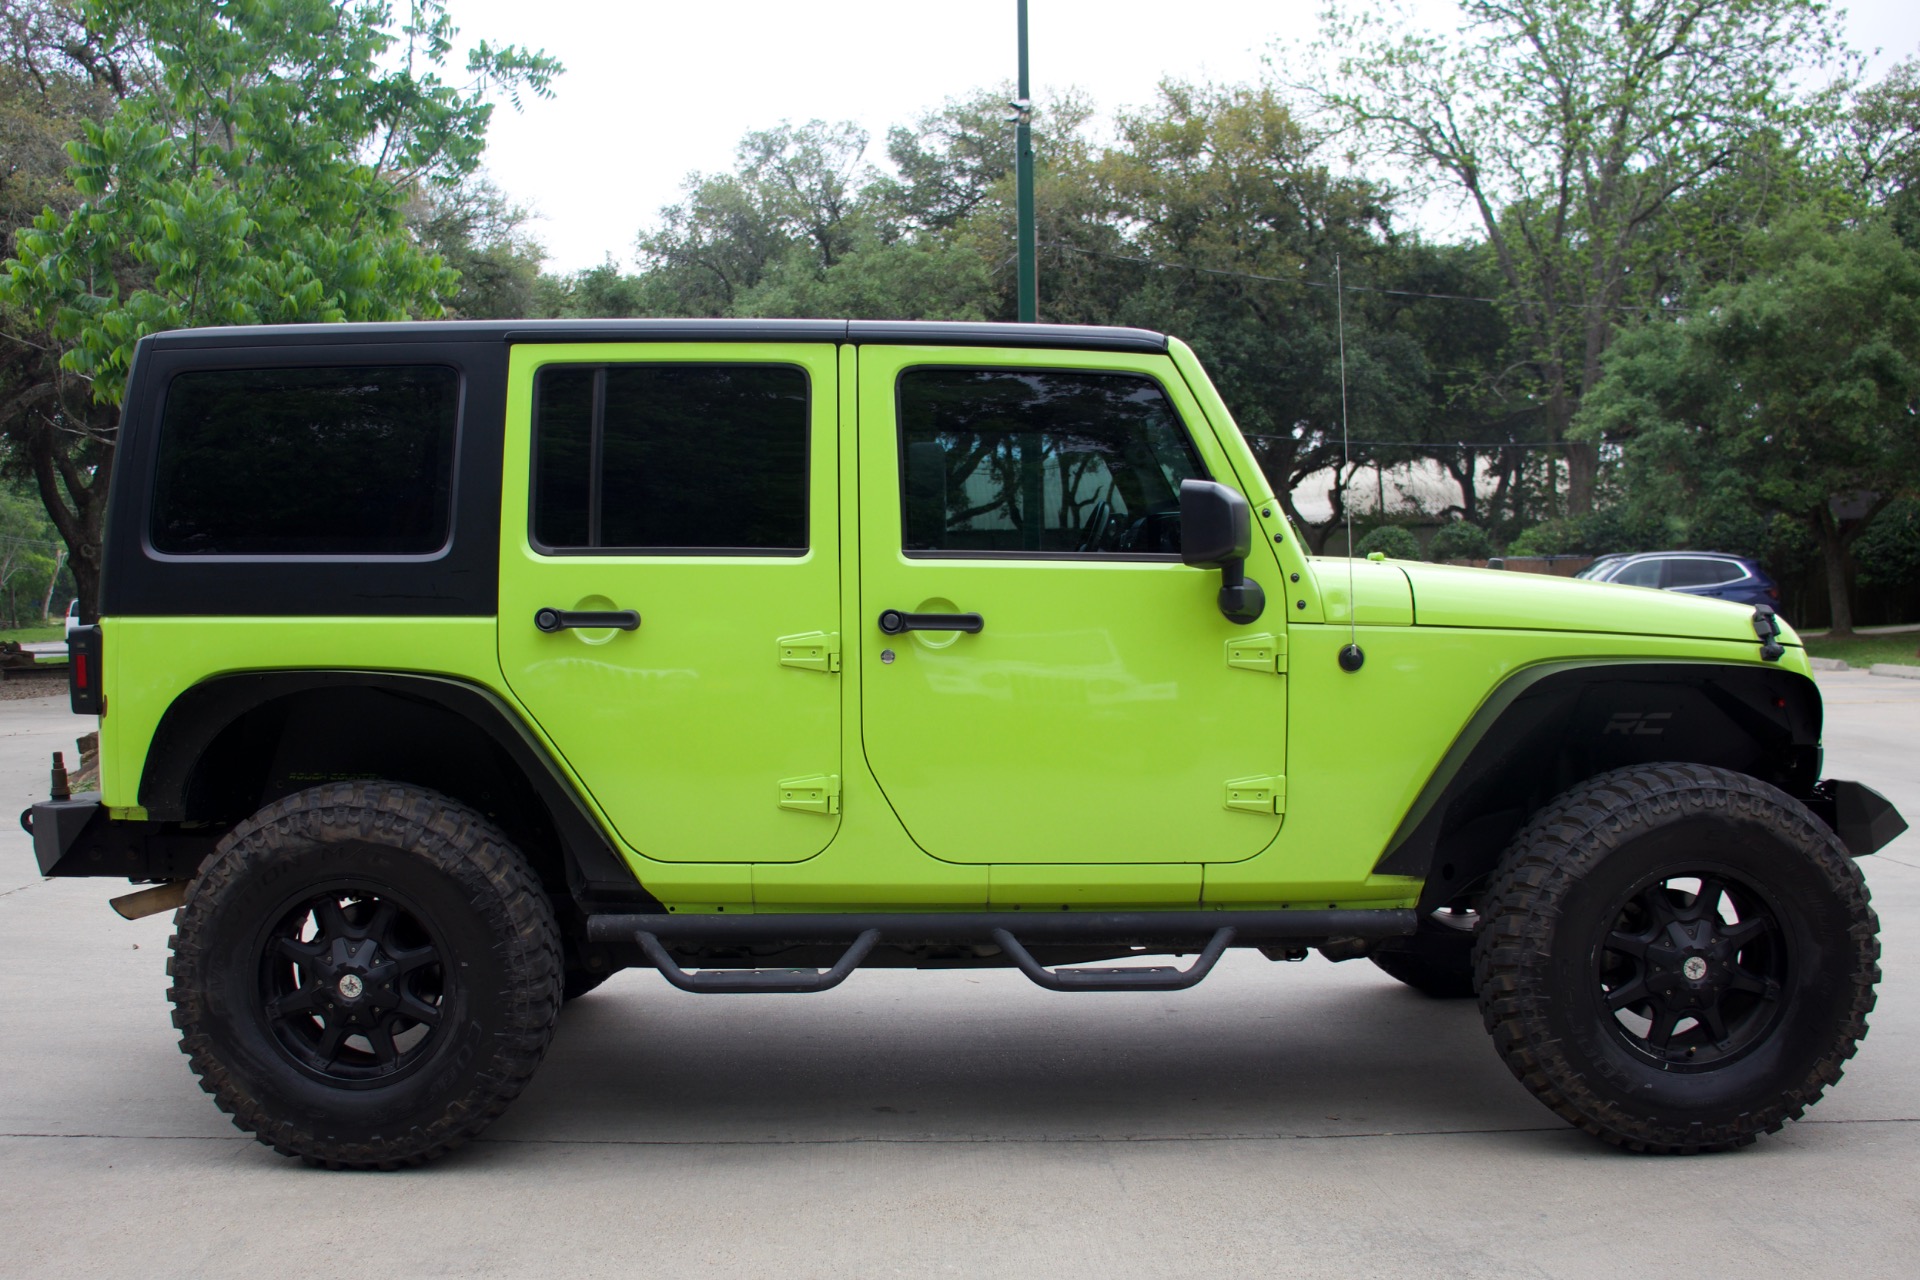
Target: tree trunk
[1583, 476]
[1837, 558]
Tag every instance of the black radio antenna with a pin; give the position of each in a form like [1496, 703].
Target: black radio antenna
[1351, 656]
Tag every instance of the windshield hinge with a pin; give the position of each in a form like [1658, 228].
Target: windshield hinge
[1258, 795]
[1263, 652]
[811, 651]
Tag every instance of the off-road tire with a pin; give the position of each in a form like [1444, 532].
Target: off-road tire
[444, 863]
[1553, 914]
[1437, 961]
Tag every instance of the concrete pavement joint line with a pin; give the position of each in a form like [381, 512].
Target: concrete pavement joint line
[22, 888]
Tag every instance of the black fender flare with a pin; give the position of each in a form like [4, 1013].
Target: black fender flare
[1549, 726]
[200, 714]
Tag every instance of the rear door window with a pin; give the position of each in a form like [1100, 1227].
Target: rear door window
[323, 462]
[1700, 571]
[1037, 462]
[665, 458]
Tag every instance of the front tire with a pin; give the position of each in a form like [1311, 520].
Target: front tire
[1677, 958]
[365, 975]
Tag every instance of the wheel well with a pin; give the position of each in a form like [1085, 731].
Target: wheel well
[1550, 728]
[230, 746]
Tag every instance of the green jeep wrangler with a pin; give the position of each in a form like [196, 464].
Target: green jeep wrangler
[445, 669]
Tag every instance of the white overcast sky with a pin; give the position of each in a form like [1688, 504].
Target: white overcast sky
[656, 91]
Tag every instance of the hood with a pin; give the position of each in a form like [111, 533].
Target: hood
[1454, 596]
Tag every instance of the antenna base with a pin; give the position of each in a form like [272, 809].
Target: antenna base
[1352, 657]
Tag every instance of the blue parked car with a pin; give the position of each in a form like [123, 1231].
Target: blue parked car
[1697, 573]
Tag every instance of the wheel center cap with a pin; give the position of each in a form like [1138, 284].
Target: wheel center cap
[351, 986]
[1695, 969]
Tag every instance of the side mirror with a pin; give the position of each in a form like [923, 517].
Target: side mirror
[1216, 532]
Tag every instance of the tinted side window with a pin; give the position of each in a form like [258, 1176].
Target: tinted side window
[665, 457]
[1641, 573]
[998, 461]
[315, 461]
[1702, 572]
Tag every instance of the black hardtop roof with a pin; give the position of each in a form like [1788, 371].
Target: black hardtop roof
[857, 332]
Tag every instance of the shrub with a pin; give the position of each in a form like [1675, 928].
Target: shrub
[1392, 539]
[1459, 541]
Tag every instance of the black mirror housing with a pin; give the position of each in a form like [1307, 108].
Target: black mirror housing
[1216, 532]
[1216, 526]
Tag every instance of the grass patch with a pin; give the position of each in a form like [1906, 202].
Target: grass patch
[33, 635]
[1864, 651]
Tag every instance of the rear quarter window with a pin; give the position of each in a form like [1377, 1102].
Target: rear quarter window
[342, 461]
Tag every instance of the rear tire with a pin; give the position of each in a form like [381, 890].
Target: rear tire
[365, 975]
[1677, 958]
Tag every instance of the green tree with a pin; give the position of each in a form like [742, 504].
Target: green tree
[261, 176]
[1571, 127]
[1795, 390]
[1229, 220]
[482, 237]
[1881, 147]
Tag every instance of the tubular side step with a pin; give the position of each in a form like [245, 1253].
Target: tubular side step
[1149, 928]
[739, 981]
[1147, 978]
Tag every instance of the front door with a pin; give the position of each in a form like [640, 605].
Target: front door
[669, 587]
[1093, 717]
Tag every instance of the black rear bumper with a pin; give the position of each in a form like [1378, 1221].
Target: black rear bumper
[76, 837]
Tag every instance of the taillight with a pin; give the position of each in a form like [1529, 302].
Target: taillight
[1773, 592]
[84, 670]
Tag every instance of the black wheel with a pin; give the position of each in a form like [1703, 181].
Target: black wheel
[1677, 958]
[1438, 960]
[364, 975]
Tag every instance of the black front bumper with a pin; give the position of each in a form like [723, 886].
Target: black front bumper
[1865, 820]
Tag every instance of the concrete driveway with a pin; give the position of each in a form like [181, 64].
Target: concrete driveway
[1306, 1119]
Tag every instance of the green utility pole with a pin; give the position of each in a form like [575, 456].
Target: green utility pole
[1023, 181]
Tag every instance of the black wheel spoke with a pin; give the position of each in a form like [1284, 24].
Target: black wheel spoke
[1706, 906]
[1631, 944]
[405, 962]
[380, 1040]
[1747, 931]
[301, 953]
[1660, 1034]
[1632, 993]
[412, 1006]
[331, 1039]
[381, 921]
[1659, 905]
[1764, 987]
[331, 919]
[1715, 1022]
[305, 1000]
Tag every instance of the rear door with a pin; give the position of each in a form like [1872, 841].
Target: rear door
[1097, 715]
[690, 488]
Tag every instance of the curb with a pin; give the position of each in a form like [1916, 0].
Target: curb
[1895, 669]
[1828, 664]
